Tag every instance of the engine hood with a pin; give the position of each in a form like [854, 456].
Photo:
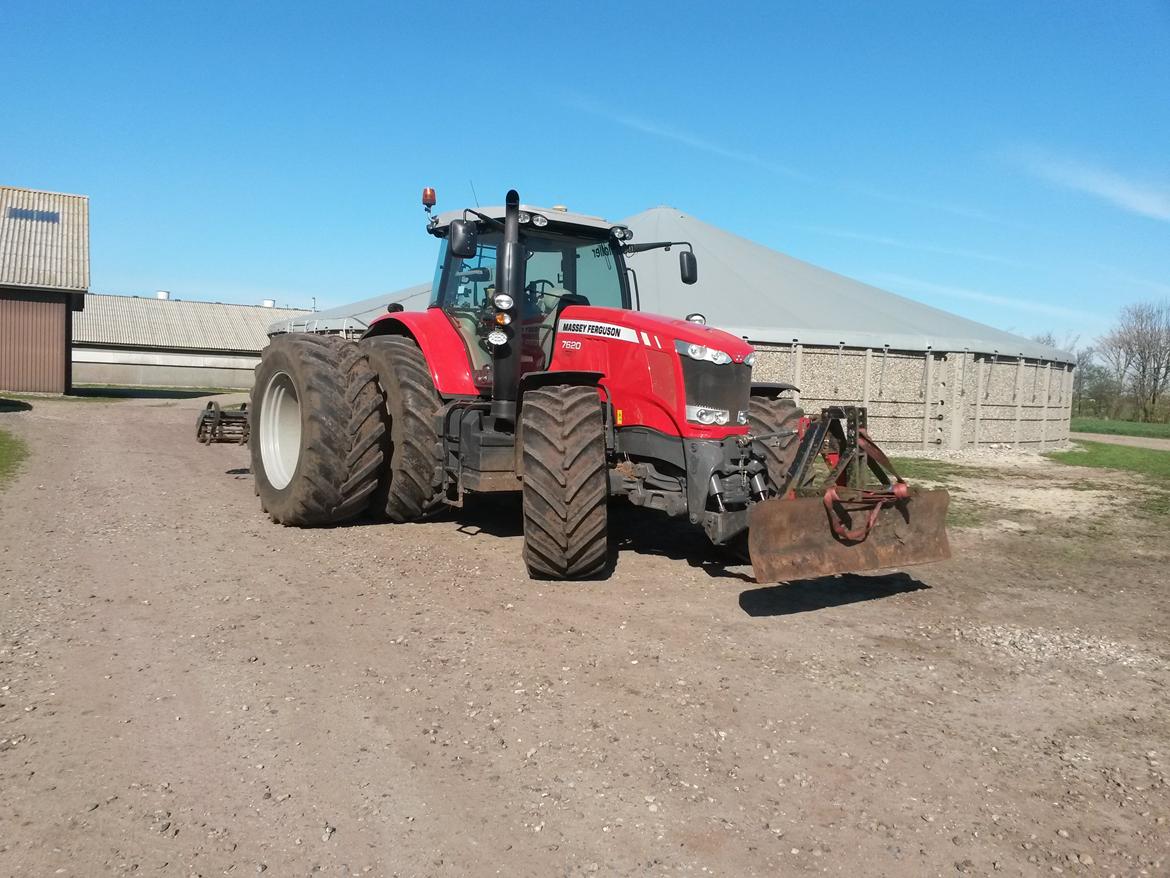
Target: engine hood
[663, 328]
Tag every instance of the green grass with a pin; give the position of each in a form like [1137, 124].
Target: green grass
[1154, 466]
[1120, 428]
[961, 512]
[12, 452]
[941, 471]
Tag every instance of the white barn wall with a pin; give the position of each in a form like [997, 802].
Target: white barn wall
[945, 400]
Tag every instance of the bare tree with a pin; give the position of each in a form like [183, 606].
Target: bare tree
[1114, 351]
[1145, 327]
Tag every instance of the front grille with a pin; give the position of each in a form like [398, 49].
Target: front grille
[724, 387]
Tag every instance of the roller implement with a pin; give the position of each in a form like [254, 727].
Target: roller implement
[534, 371]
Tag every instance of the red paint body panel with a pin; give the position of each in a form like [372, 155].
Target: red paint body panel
[441, 344]
[642, 369]
[643, 372]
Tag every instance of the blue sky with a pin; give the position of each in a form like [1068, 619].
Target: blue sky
[1006, 161]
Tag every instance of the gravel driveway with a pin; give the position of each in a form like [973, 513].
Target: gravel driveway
[188, 689]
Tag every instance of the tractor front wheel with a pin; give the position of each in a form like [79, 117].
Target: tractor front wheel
[316, 430]
[565, 483]
[769, 416]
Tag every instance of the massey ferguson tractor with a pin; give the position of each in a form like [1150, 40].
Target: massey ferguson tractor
[532, 371]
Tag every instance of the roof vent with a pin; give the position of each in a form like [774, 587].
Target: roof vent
[162, 294]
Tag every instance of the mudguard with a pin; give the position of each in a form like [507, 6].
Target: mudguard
[441, 344]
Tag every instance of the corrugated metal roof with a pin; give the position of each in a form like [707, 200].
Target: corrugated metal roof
[766, 296]
[44, 240]
[356, 315]
[133, 322]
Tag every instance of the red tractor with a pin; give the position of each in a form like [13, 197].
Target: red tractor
[532, 371]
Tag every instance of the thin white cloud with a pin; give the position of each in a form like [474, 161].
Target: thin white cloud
[1119, 274]
[943, 207]
[1018, 303]
[958, 252]
[684, 138]
[1143, 198]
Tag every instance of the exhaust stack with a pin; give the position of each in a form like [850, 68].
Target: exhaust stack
[509, 281]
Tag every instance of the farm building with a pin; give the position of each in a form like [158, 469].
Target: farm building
[164, 342]
[44, 275]
[929, 378]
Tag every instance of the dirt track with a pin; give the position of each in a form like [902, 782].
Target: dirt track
[189, 689]
[1132, 441]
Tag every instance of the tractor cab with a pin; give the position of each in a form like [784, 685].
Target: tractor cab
[566, 259]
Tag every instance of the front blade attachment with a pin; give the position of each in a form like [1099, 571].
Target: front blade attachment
[793, 538]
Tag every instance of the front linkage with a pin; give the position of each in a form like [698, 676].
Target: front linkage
[861, 516]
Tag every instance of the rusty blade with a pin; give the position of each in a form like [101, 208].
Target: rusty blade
[793, 539]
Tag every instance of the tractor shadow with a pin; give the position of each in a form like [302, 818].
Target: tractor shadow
[14, 405]
[810, 595]
[645, 532]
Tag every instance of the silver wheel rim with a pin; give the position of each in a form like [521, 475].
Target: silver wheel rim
[280, 430]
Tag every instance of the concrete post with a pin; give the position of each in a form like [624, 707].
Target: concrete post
[979, 397]
[1018, 397]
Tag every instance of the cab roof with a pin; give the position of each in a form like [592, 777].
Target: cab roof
[554, 215]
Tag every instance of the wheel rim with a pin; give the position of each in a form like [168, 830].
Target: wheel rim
[280, 430]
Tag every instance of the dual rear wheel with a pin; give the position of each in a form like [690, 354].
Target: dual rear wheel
[328, 415]
[342, 429]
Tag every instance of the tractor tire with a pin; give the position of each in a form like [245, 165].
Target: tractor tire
[771, 416]
[565, 483]
[316, 430]
[409, 488]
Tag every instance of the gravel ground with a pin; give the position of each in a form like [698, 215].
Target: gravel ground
[187, 689]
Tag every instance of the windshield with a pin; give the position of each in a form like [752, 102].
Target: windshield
[556, 265]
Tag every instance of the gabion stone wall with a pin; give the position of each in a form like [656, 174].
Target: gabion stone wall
[947, 400]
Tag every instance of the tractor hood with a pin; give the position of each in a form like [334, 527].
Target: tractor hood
[654, 329]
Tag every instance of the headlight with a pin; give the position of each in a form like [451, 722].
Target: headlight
[707, 415]
[503, 301]
[497, 337]
[749, 360]
[523, 216]
[702, 352]
[539, 221]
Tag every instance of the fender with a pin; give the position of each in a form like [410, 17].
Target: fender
[441, 345]
[576, 378]
[772, 390]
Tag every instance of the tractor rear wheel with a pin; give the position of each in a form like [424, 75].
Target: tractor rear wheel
[774, 416]
[316, 430]
[409, 488]
[565, 483]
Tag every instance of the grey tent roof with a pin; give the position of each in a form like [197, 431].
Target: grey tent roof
[755, 292]
[356, 314]
[766, 296]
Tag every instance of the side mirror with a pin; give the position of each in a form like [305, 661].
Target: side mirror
[463, 238]
[688, 266]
